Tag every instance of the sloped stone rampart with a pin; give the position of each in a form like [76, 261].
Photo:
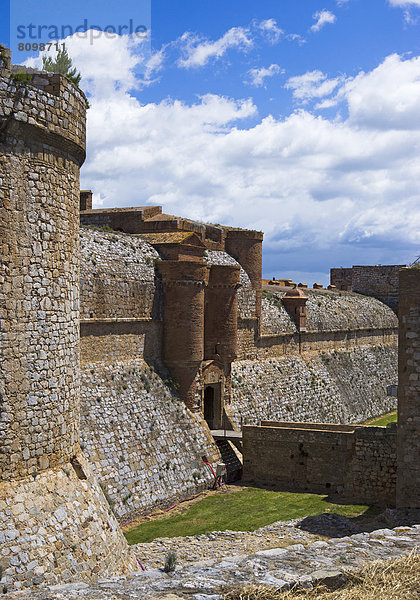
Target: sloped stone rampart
[57, 527]
[143, 443]
[328, 311]
[329, 387]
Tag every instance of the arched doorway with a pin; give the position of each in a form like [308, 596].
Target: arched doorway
[212, 405]
[209, 405]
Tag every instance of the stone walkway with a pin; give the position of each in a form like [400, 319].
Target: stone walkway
[217, 545]
[202, 575]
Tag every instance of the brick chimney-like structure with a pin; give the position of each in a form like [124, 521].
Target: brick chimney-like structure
[294, 302]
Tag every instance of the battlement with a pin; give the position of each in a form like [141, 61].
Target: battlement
[43, 108]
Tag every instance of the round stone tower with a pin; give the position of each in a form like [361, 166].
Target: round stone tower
[246, 247]
[221, 313]
[183, 335]
[47, 487]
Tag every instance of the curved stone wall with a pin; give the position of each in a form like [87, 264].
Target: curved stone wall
[54, 520]
[246, 294]
[330, 387]
[39, 258]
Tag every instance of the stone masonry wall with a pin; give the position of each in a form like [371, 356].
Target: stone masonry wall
[144, 445]
[117, 276]
[358, 464]
[54, 520]
[379, 281]
[408, 485]
[341, 278]
[39, 172]
[337, 386]
[328, 311]
[116, 341]
[246, 294]
[56, 527]
[374, 465]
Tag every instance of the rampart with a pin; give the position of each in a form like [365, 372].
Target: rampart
[176, 339]
[335, 371]
[379, 281]
[143, 443]
[358, 463]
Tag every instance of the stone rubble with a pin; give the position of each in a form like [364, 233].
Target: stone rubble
[280, 568]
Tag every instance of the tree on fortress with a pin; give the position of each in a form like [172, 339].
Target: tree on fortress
[62, 64]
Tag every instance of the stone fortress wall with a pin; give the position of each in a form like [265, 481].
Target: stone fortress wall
[354, 462]
[55, 523]
[334, 371]
[363, 464]
[379, 281]
[143, 443]
[176, 339]
[408, 439]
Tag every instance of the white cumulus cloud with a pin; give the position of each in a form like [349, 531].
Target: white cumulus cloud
[404, 2]
[323, 17]
[257, 76]
[198, 52]
[387, 97]
[342, 190]
[271, 30]
[310, 183]
[313, 84]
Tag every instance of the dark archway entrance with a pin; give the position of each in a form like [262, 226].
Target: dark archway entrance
[209, 407]
[212, 407]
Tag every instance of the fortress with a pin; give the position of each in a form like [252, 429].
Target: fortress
[178, 337]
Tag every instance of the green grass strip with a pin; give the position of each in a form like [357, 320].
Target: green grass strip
[384, 420]
[245, 510]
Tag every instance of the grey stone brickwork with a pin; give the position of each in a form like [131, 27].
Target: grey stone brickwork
[143, 443]
[54, 520]
[333, 387]
[328, 311]
[117, 276]
[56, 528]
[40, 157]
[408, 483]
[379, 281]
[357, 463]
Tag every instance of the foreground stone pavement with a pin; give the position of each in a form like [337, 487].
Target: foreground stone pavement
[280, 568]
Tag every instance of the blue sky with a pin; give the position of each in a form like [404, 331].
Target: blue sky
[297, 117]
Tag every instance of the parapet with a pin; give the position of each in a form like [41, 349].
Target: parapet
[42, 109]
